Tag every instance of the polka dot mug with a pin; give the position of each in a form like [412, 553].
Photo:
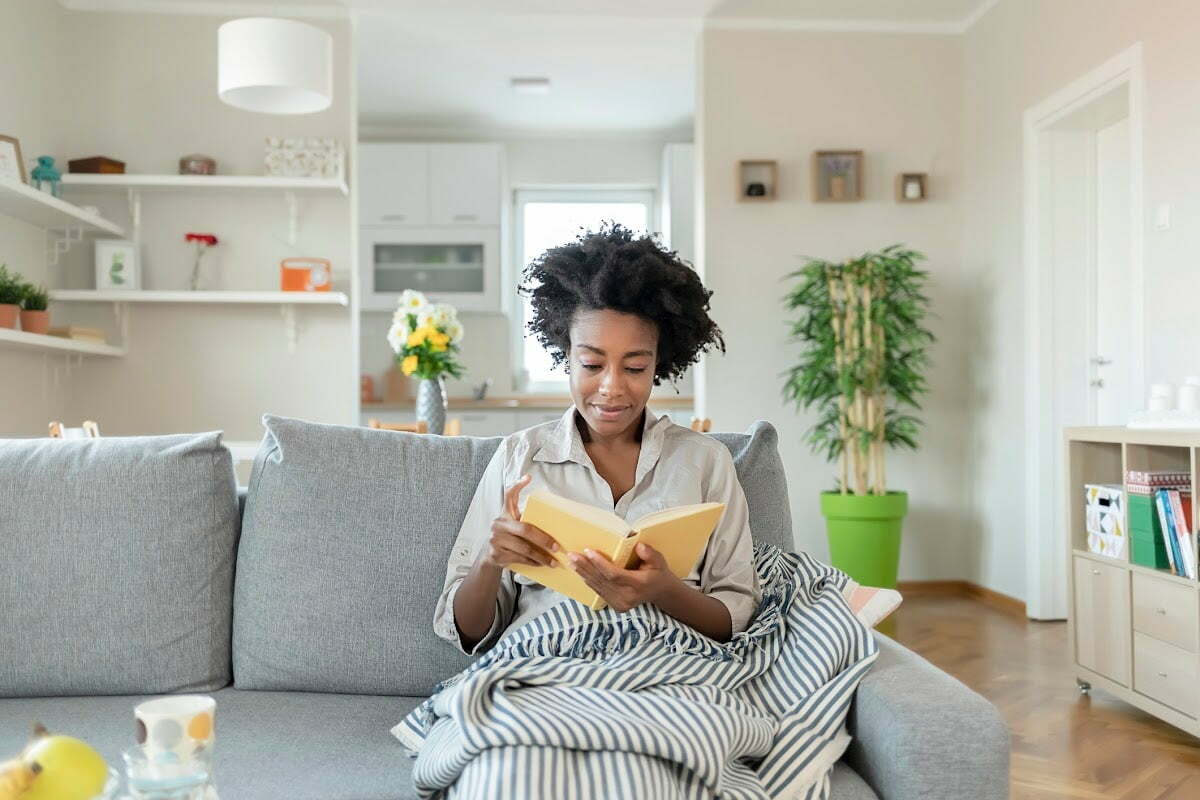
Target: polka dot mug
[175, 729]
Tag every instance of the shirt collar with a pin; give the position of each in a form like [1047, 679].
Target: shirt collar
[562, 442]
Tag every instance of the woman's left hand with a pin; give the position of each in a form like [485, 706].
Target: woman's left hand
[624, 589]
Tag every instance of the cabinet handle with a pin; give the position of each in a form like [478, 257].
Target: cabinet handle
[1162, 674]
[1095, 572]
[465, 217]
[394, 217]
[1162, 611]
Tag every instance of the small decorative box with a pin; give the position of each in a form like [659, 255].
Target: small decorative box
[1105, 519]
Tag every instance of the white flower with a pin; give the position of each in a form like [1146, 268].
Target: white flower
[443, 314]
[398, 335]
[411, 301]
[454, 330]
[425, 316]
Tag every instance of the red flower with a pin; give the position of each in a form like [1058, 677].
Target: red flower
[206, 239]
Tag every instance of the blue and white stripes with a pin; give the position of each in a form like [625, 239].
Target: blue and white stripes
[583, 704]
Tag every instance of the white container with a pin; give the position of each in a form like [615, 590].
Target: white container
[1189, 397]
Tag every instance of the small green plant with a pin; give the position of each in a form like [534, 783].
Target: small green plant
[11, 287]
[35, 298]
[864, 343]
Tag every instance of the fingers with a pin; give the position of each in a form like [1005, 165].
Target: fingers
[651, 558]
[508, 548]
[511, 495]
[526, 531]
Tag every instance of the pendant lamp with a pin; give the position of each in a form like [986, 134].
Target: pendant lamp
[277, 66]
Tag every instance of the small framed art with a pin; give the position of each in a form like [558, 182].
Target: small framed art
[12, 166]
[117, 264]
[837, 176]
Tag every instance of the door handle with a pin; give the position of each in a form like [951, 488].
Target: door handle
[1097, 382]
[1100, 361]
[394, 217]
[1095, 572]
[465, 217]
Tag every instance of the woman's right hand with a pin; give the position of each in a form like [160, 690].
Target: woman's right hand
[515, 542]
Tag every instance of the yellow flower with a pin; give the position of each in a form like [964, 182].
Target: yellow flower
[409, 365]
[416, 338]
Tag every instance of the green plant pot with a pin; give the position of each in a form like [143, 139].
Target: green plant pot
[864, 535]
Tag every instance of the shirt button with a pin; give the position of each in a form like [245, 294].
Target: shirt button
[463, 552]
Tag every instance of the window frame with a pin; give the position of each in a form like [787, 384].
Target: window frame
[646, 194]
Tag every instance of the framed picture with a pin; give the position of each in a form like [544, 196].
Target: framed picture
[117, 264]
[12, 166]
[837, 176]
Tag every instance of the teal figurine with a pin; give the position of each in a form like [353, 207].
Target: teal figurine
[46, 177]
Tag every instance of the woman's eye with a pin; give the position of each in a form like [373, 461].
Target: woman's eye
[636, 370]
[590, 367]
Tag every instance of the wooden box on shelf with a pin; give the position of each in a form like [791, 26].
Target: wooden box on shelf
[96, 165]
[757, 180]
[912, 187]
[837, 176]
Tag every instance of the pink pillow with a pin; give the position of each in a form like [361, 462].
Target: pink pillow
[869, 604]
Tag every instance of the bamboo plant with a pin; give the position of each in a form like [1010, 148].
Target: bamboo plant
[865, 348]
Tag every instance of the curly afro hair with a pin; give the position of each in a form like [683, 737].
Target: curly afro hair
[614, 269]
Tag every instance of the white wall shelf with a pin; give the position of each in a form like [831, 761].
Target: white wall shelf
[287, 302]
[66, 222]
[38, 341]
[212, 182]
[223, 297]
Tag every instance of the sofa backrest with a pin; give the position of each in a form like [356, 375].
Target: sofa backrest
[345, 539]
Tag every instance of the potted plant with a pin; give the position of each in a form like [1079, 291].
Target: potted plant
[11, 294]
[861, 327]
[425, 338]
[34, 316]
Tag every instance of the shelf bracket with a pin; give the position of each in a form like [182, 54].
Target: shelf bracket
[135, 213]
[121, 315]
[289, 325]
[62, 243]
[293, 211]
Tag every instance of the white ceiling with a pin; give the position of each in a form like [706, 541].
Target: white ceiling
[618, 67]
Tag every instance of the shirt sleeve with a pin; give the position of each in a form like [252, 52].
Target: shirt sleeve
[728, 572]
[473, 536]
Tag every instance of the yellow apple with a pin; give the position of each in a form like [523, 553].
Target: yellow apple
[71, 769]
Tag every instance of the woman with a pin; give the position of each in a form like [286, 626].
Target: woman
[622, 314]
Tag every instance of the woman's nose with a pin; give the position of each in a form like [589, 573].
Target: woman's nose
[610, 382]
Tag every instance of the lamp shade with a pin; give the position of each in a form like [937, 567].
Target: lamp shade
[278, 66]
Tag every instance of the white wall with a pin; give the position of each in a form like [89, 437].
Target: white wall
[142, 88]
[1019, 53]
[487, 348]
[782, 95]
[30, 396]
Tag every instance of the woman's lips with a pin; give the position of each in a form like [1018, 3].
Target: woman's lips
[609, 412]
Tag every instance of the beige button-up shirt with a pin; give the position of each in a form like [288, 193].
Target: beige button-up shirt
[676, 466]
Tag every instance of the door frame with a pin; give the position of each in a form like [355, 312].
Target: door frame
[1045, 546]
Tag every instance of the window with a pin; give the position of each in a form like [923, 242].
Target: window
[548, 218]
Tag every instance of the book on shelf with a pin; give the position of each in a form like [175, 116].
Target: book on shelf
[680, 534]
[1168, 529]
[1144, 481]
[78, 332]
[1180, 503]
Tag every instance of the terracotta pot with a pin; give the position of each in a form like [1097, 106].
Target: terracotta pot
[9, 312]
[35, 321]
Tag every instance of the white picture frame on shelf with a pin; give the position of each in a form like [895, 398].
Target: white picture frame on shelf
[117, 266]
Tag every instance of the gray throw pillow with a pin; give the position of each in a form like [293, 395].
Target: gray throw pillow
[345, 539]
[118, 561]
[760, 471]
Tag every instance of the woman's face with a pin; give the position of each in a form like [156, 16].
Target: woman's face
[612, 362]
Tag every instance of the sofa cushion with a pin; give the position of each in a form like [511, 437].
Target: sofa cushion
[301, 746]
[760, 471]
[345, 540]
[118, 558]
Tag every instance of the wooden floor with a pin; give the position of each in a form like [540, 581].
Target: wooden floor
[1063, 744]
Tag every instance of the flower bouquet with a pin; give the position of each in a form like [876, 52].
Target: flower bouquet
[426, 337]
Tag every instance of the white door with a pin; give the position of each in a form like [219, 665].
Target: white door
[393, 184]
[1114, 395]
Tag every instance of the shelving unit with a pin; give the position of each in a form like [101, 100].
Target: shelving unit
[66, 221]
[1134, 630]
[37, 341]
[287, 302]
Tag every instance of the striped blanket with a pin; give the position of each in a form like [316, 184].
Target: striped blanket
[584, 704]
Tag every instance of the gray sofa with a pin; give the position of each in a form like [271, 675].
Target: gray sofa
[303, 604]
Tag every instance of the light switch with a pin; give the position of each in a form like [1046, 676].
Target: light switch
[1162, 216]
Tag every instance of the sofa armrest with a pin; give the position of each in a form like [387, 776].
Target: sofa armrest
[920, 734]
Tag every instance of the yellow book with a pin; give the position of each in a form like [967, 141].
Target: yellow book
[680, 534]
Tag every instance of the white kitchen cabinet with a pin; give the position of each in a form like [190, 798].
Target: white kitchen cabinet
[464, 184]
[393, 184]
[459, 265]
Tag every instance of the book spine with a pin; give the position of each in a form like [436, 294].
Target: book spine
[625, 550]
[1165, 524]
[1183, 534]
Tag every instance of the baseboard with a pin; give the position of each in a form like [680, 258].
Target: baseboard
[989, 597]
